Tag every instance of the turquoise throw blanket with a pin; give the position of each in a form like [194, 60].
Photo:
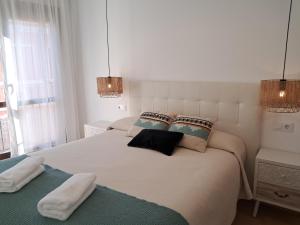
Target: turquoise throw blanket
[103, 207]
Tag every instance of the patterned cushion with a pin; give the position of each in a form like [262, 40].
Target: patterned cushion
[150, 120]
[196, 131]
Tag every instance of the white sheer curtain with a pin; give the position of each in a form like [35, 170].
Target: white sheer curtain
[37, 56]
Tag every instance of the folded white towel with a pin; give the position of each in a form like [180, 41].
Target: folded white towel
[16, 177]
[61, 202]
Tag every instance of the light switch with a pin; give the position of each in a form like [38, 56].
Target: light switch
[122, 107]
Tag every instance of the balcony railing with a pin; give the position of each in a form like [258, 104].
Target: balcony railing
[4, 136]
[4, 128]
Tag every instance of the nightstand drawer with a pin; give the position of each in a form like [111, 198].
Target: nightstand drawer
[97, 127]
[281, 176]
[278, 195]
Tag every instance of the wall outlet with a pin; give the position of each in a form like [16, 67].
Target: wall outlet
[122, 107]
[285, 127]
[288, 127]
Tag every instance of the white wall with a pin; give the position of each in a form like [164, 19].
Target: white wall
[211, 40]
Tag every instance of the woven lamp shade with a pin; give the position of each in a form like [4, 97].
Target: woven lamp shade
[110, 86]
[272, 101]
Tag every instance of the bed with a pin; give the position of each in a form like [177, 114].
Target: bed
[203, 187]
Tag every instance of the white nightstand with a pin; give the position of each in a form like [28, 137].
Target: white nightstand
[277, 179]
[98, 127]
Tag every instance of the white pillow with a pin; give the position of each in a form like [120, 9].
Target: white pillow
[228, 142]
[123, 124]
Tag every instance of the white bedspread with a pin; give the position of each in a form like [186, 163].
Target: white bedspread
[203, 187]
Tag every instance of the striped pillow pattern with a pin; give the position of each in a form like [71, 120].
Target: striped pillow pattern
[196, 131]
[151, 120]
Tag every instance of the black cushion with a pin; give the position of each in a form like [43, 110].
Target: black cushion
[160, 140]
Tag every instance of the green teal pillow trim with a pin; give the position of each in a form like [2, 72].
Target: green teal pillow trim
[146, 124]
[199, 132]
[193, 126]
[157, 121]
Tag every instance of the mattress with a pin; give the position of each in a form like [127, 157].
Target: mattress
[203, 187]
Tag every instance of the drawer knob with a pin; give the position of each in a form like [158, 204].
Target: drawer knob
[281, 195]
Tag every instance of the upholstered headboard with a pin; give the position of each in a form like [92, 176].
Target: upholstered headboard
[234, 106]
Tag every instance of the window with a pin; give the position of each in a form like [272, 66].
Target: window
[31, 48]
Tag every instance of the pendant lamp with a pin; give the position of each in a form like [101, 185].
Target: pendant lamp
[110, 86]
[281, 95]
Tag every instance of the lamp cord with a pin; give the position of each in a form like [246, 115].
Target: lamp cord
[287, 40]
[107, 42]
